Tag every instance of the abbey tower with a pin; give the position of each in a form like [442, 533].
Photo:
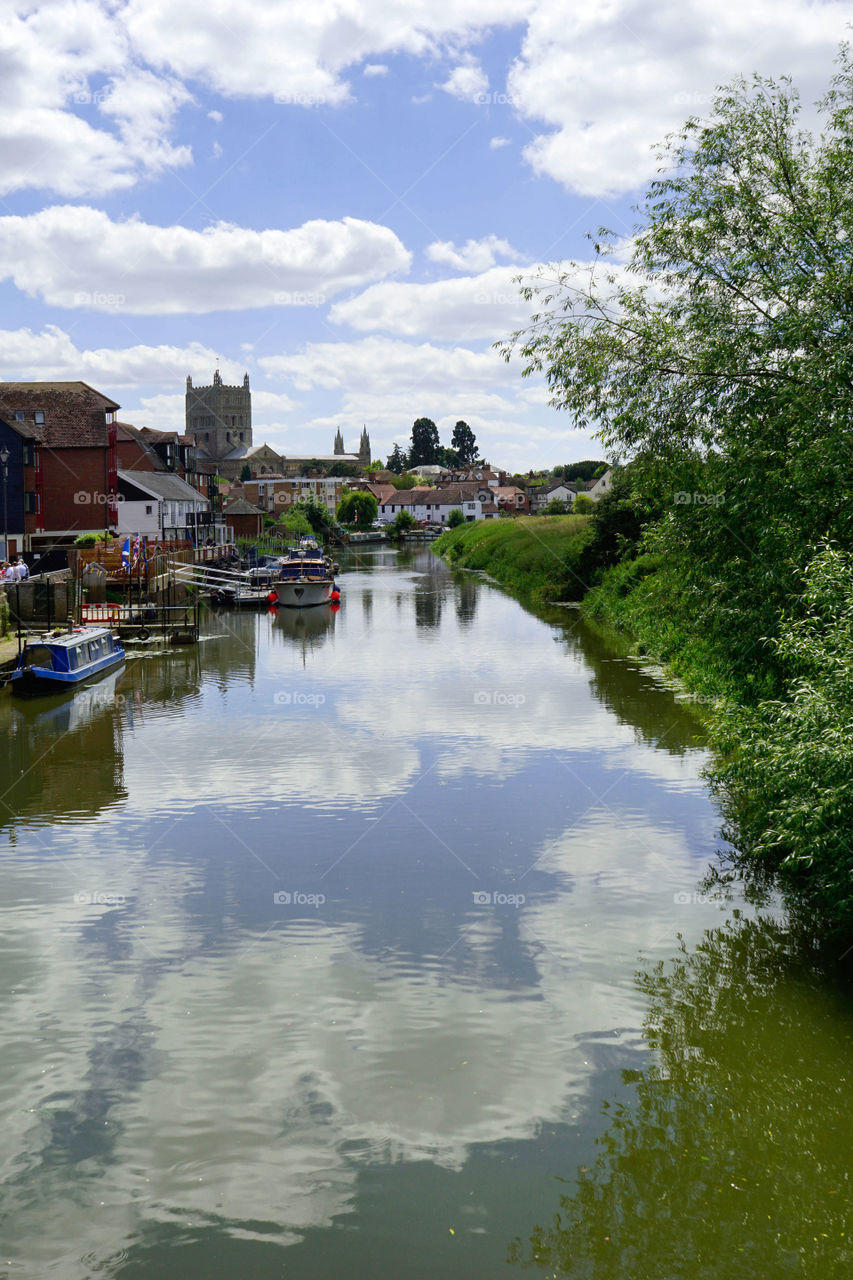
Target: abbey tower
[219, 417]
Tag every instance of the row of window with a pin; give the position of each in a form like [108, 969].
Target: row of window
[38, 416]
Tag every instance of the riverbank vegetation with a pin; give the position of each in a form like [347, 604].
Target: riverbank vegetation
[712, 351]
[539, 559]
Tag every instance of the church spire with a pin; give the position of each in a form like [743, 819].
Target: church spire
[339, 442]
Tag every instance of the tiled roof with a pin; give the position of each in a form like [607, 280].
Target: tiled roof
[74, 413]
[161, 484]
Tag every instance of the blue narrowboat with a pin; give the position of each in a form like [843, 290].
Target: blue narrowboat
[62, 661]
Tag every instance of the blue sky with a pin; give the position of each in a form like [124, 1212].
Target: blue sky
[337, 198]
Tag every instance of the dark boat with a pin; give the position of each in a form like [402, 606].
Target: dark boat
[64, 660]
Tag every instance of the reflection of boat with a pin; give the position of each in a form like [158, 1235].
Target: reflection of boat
[310, 628]
[62, 661]
[306, 576]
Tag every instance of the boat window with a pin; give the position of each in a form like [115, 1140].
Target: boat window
[38, 655]
[109, 646]
[94, 650]
[73, 657]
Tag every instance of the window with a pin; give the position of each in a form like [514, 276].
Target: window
[38, 655]
[30, 504]
[73, 659]
[39, 417]
[19, 415]
[94, 650]
[149, 509]
[29, 454]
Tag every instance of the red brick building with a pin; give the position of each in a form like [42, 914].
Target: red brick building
[69, 458]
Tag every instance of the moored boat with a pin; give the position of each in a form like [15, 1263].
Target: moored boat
[306, 577]
[62, 661]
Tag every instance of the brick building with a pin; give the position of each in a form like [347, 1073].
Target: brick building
[62, 440]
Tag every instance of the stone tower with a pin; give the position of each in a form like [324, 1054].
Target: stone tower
[219, 417]
[364, 448]
[339, 442]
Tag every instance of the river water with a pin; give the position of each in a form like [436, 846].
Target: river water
[376, 943]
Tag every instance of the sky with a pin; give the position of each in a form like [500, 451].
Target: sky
[338, 199]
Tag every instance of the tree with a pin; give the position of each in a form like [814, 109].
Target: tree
[556, 507]
[358, 507]
[403, 521]
[346, 470]
[316, 513]
[583, 505]
[397, 460]
[720, 354]
[465, 443]
[245, 472]
[407, 480]
[425, 443]
[455, 517]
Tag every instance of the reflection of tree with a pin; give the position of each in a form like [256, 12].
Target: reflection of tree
[733, 1161]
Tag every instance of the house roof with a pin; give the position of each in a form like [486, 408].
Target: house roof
[74, 412]
[161, 484]
[240, 507]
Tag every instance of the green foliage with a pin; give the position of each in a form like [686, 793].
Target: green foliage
[89, 540]
[583, 505]
[245, 472]
[556, 507]
[455, 517]
[587, 470]
[786, 776]
[397, 460]
[346, 470]
[407, 480]
[294, 523]
[425, 443]
[403, 521]
[540, 560]
[464, 444]
[721, 1158]
[316, 513]
[719, 361]
[358, 507]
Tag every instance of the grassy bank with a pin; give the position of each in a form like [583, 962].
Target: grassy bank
[537, 558]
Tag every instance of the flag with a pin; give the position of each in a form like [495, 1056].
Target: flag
[125, 553]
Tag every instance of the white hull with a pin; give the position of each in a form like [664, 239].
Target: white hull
[301, 593]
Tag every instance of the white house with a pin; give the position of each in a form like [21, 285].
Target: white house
[159, 504]
[435, 505]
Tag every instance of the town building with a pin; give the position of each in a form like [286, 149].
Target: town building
[273, 494]
[219, 419]
[159, 504]
[62, 443]
[434, 505]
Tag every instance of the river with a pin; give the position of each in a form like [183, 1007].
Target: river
[378, 943]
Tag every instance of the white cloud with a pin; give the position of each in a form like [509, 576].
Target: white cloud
[216, 116]
[372, 69]
[267, 49]
[361, 367]
[611, 80]
[487, 306]
[473, 255]
[78, 257]
[496, 143]
[468, 81]
[67, 73]
[52, 356]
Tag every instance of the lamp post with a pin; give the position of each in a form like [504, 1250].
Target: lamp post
[4, 462]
